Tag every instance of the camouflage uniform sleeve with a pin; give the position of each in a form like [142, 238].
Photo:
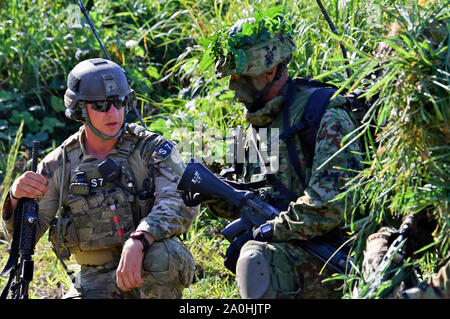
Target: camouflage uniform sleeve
[169, 216]
[7, 223]
[50, 167]
[315, 213]
[438, 286]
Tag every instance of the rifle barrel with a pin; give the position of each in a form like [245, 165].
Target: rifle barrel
[35, 155]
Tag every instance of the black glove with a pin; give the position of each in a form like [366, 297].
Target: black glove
[262, 233]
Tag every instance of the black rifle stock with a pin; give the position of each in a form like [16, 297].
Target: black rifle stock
[394, 265]
[199, 183]
[23, 244]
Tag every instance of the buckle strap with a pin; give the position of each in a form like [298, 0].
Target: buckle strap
[127, 142]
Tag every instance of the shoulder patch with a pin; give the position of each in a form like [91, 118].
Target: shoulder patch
[164, 149]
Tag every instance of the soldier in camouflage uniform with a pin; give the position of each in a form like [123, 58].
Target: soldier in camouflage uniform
[273, 265]
[114, 185]
[436, 286]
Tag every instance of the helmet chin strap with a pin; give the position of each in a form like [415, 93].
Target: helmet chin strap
[258, 103]
[104, 136]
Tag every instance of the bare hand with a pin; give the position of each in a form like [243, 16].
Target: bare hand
[30, 185]
[129, 270]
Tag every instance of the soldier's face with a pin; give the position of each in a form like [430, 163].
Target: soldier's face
[247, 89]
[109, 122]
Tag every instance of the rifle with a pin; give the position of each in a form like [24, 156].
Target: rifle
[198, 184]
[393, 266]
[23, 244]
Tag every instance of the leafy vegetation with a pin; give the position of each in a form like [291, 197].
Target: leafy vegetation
[162, 45]
[227, 47]
[406, 164]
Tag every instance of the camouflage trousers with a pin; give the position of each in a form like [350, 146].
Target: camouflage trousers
[167, 268]
[291, 273]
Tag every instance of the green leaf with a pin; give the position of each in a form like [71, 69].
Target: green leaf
[152, 72]
[206, 61]
[240, 60]
[4, 96]
[57, 103]
[41, 136]
[17, 117]
[158, 126]
[50, 123]
[139, 51]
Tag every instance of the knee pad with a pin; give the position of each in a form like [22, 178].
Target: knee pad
[252, 274]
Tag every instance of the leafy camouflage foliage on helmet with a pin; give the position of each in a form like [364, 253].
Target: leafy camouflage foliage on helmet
[251, 46]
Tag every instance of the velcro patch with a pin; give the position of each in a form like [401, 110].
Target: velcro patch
[164, 149]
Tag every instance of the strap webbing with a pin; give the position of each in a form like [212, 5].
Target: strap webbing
[307, 128]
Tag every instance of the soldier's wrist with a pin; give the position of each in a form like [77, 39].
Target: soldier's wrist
[12, 195]
[145, 239]
[9, 206]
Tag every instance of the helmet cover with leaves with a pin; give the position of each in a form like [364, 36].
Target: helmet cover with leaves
[253, 45]
[95, 80]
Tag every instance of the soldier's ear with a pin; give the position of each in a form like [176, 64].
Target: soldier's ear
[270, 74]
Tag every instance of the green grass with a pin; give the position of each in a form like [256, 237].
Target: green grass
[49, 278]
[38, 48]
[211, 280]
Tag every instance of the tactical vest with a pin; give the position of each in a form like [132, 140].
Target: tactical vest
[103, 197]
[101, 210]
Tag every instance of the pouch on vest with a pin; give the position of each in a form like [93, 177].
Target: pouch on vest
[103, 219]
[145, 198]
[68, 236]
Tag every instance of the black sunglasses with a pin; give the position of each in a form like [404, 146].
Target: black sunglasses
[104, 106]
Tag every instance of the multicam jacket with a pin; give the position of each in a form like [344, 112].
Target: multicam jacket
[314, 212]
[140, 154]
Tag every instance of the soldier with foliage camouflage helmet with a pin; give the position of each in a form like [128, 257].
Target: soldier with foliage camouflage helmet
[114, 185]
[255, 53]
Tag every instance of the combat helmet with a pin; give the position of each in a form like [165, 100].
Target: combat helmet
[253, 45]
[96, 80]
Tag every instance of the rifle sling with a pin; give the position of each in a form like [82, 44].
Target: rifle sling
[246, 186]
[14, 250]
[5, 290]
[285, 193]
